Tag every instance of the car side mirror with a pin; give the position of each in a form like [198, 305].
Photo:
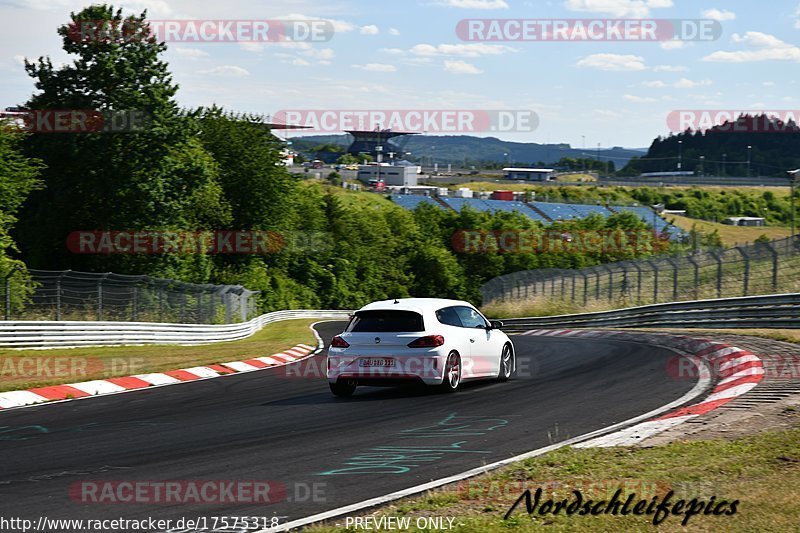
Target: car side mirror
[496, 324]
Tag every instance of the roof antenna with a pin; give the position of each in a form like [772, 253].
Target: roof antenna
[396, 300]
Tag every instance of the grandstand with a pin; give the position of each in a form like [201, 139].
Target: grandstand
[411, 202]
[555, 211]
[586, 210]
[650, 217]
[544, 212]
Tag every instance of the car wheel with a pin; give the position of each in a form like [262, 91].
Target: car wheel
[506, 363]
[452, 373]
[343, 389]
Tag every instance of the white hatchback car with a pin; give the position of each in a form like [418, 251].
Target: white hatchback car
[422, 340]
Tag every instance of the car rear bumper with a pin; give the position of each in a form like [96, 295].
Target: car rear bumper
[426, 368]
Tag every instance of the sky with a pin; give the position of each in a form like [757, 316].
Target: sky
[407, 55]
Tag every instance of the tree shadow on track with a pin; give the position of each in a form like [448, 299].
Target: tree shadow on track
[371, 394]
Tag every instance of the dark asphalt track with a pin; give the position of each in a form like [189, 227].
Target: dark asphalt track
[278, 426]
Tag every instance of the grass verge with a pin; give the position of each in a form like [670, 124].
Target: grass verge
[24, 369]
[731, 235]
[761, 471]
[785, 335]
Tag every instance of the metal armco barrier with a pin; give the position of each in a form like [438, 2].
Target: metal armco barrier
[759, 268]
[771, 311]
[73, 334]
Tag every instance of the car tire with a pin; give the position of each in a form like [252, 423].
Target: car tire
[452, 373]
[343, 389]
[507, 363]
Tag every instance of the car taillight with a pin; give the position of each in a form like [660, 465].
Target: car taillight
[429, 341]
[339, 342]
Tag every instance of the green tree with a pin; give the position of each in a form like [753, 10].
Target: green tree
[348, 159]
[156, 177]
[18, 178]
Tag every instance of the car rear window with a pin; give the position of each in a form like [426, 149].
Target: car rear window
[379, 321]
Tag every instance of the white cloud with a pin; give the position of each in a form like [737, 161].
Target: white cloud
[297, 45]
[673, 45]
[300, 62]
[670, 68]
[685, 83]
[322, 54]
[464, 50]
[394, 31]
[457, 66]
[339, 26]
[227, 71]
[377, 67]
[769, 84]
[758, 47]
[370, 30]
[797, 17]
[606, 113]
[190, 53]
[252, 47]
[612, 62]
[639, 99]
[153, 7]
[719, 14]
[393, 51]
[618, 8]
[20, 60]
[475, 4]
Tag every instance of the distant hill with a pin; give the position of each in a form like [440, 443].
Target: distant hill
[723, 150]
[458, 149]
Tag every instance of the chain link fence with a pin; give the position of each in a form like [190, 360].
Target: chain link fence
[71, 295]
[759, 268]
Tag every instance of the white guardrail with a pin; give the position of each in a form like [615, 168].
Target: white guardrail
[74, 334]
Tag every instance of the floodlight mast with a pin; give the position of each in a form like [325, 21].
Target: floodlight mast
[792, 179]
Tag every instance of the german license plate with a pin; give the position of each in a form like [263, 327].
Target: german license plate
[376, 361]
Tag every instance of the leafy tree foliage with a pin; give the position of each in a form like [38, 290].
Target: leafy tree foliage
[156, 177]
[18, 177]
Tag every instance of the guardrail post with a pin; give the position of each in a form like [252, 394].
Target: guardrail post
[775, 256]
[58, 293]
[198, 305]
[654, 266]
[623, 290]
[597, 284]
[585, 287]
[693, 261]
[183, 304]
[746, 281]
[675, 268]
[100, 281]
[610, 283]
[160, 302]
[135, 303]
[7, 290]
[718, 259]
[574, 279]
